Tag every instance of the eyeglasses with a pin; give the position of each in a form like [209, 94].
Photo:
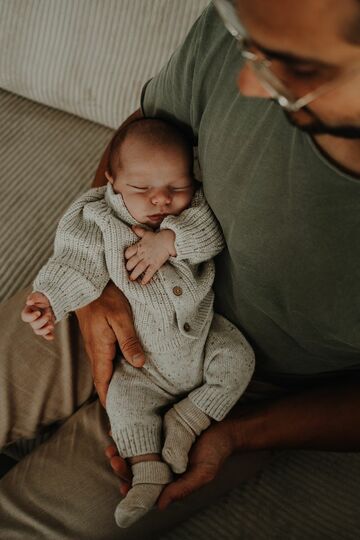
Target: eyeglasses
[265, 69]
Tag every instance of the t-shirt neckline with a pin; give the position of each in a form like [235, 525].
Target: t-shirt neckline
[327, 162]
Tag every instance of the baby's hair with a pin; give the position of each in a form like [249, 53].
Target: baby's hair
[153, 130]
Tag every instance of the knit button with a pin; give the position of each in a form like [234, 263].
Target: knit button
[186, 327]
[177, 291]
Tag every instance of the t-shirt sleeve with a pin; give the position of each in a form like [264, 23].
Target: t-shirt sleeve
[169, 93]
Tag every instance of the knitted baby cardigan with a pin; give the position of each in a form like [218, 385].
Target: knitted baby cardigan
[89, 250]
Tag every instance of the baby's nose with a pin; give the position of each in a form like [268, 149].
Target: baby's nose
[161, 197]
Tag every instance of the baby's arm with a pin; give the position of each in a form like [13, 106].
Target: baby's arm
[76, 274]
[194, 235]
[150, 253]
[198, 237]
[39, 314]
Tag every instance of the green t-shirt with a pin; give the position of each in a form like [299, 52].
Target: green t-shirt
[289, 278]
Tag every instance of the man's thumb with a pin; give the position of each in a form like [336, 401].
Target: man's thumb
[132, 351]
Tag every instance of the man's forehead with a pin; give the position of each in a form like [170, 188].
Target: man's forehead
[300, 27]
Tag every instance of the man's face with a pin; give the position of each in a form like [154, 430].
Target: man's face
[307, 43]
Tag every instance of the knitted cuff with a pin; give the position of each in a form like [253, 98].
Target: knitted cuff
[137, 440]
[194, 417]
[151, 472]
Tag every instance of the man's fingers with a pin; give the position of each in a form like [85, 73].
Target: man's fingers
[120, 468]
[111, 451]
[102, 370]
[101, 389]
[175, 491]
[184, 486]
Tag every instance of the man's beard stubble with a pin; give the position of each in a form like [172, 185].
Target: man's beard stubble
[317, 127]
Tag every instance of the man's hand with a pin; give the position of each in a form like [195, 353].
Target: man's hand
[38, 313]
[104, 323]
[206, 458]
[120, 468]
[150, 253]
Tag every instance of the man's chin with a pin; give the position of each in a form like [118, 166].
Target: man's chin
[318, 128]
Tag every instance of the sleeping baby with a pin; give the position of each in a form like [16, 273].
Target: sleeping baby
[151, 232]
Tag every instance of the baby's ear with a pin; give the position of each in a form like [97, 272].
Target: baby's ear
[108, 177]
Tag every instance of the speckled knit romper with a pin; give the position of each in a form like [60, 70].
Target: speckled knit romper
[189, 349]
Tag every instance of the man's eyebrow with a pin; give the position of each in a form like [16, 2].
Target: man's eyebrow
[289, 58]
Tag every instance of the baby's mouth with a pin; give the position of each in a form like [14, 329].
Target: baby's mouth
[157, 217]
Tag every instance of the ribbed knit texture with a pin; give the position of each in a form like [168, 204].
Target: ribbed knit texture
[151, 472]
[182, 424]
[172, 314]
[226, 368]
[147, 484]
[89, 244]
[192, 416]
[89, 57]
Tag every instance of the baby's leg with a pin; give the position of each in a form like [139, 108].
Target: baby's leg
[149, 479]
[228, 366]
[133, 405]
[182, 424]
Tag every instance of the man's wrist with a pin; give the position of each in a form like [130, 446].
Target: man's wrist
[247, 427]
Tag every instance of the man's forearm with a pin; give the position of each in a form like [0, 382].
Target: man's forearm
[100, 179]
[326, 418]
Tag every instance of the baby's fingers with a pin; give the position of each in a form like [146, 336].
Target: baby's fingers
[46, 331]
[130, 251]
[138, 270]
[131, 263]
[42, 325]
[149, 273]
[37, 299]
[29, 315]
[49, 336]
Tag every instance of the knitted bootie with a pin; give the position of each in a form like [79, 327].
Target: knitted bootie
[182, 424]
[149, 478]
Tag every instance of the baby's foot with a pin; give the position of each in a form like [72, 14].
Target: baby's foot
[182, 424]
[148, 482]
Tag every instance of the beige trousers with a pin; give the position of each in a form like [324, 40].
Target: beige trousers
[64, 489]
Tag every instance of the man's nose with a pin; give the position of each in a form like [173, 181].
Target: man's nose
[161, 196]
[249, 84]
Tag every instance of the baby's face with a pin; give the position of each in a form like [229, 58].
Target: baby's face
[154, 181]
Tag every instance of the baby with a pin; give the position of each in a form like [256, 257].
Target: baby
[197, 361]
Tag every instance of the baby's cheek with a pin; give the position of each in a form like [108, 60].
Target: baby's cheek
[135, 205]
[184, 201]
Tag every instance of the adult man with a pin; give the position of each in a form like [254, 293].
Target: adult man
[288, 205]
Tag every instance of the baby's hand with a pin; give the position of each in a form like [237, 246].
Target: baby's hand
[38, 313]
[150, 253]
